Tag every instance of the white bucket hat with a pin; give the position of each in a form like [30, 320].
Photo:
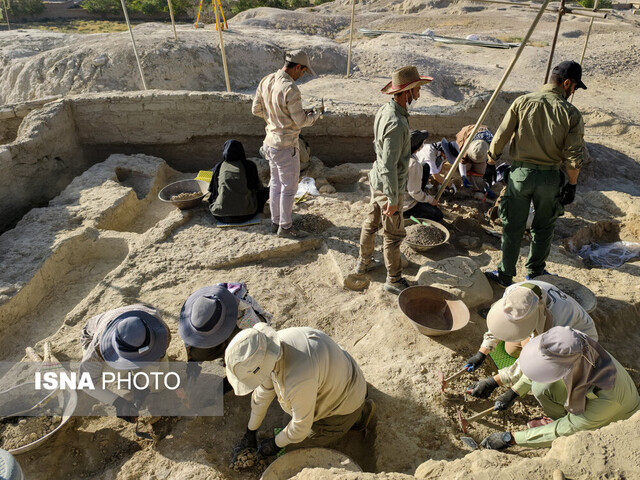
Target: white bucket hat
[251, 357]
[518, 313]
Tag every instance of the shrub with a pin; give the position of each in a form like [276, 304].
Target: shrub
[25, 7]
[590, 3]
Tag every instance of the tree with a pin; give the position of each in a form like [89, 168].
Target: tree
[25, 7]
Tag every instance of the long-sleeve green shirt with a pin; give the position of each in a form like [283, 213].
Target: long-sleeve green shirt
[392, 144]
[544, 129]
[602, 408]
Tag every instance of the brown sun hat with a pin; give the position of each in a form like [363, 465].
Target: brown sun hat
[405, 78]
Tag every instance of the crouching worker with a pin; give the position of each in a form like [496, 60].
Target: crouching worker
[578, 384]
[127, 338]
[210, 318]
[526, 309]
[416, 202]
[237, 194]
[316, 382]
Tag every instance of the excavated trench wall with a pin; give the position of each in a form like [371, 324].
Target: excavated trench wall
[62, 139]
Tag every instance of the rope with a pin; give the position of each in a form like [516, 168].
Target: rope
[353, 14]
[465, 147]
[133, 42]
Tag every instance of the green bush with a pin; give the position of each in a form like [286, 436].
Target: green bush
[103, 7]
[590, 3]
[150, 7]
[25, 7]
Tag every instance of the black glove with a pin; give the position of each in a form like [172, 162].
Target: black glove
[568, 194]
[505, 400]
[248, 441]
[126, 410]
[483, 388]
[139, 396]
[268, 448]
[475, 361]
[490, 174]
[193, 370]
[497, 441]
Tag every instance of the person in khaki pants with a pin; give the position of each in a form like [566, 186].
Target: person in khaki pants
[388, 177]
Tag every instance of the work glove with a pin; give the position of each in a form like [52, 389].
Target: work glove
[268, 448]
[483, 388]
[505, 400]
[248, 441]
[497, 441]
[490, 174]
[474, 362]
[568, 194]
[126, 410]
[193, 370]
[139, 396]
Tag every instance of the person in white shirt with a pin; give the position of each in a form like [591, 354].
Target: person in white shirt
[416, 202]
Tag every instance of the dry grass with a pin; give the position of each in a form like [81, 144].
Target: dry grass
[533, 43]
[77, 26]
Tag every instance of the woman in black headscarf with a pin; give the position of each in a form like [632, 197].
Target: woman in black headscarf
[237, 194]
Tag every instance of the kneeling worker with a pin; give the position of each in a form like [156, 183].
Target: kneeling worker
[124, 339]
[416, 202]
[578, 384]
[316, 382]
[526, 309]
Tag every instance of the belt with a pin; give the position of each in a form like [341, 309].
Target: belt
[534, 166]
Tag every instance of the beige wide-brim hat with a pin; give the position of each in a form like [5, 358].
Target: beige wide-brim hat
[517, 314]
[251, 357]
[405, 78]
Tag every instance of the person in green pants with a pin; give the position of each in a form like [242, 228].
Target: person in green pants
[546, 133]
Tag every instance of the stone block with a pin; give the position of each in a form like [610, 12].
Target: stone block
[459, 275]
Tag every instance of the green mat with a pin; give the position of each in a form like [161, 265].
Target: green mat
[501, 358]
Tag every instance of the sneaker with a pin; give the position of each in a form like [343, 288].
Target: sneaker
[539, 422]
[362, 267]
[274, 227]
[291, 232]
[494, 275]
[532, 276]
[365, 418]
[396, 287]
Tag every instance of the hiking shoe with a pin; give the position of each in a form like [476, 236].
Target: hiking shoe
[365, 417]
[274, 227]
[532, 276]
[362, 267]
[495, 276]
[396, 287]
[291, 232]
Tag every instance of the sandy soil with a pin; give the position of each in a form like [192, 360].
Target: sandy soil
[104, 243]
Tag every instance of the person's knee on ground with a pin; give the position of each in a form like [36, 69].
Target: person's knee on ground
[551, 397]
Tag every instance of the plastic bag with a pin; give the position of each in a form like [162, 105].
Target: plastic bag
[307, 185]
[609, 255]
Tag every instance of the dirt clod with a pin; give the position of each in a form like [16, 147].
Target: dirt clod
[19, 431]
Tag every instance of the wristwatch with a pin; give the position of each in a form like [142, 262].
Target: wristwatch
[507, 437]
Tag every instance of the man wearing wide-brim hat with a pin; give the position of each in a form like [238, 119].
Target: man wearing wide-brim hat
[526, 309]
[579, 385]
[126, 338]
[316, 382]
[211, 317]
[388, 177]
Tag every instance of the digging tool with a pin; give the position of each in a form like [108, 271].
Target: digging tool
[443, 381]
[139, 434]
[470, 442]
[464, 422]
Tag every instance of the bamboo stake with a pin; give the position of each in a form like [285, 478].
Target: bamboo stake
[173, 23]
[465, 147]
[353, 14]
[555, 40]
[6, 14]
[224, 57]
[133, 42]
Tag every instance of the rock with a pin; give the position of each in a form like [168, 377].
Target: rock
[468, 242]
[459, 275]
[327, 189]
[100, 60]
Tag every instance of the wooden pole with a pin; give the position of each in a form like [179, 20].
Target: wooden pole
[133, 42]
[224, 57]
[173, 22]
[353, 14]
[465, 147]
[555, 40]
[6, 14]
[586, 40]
